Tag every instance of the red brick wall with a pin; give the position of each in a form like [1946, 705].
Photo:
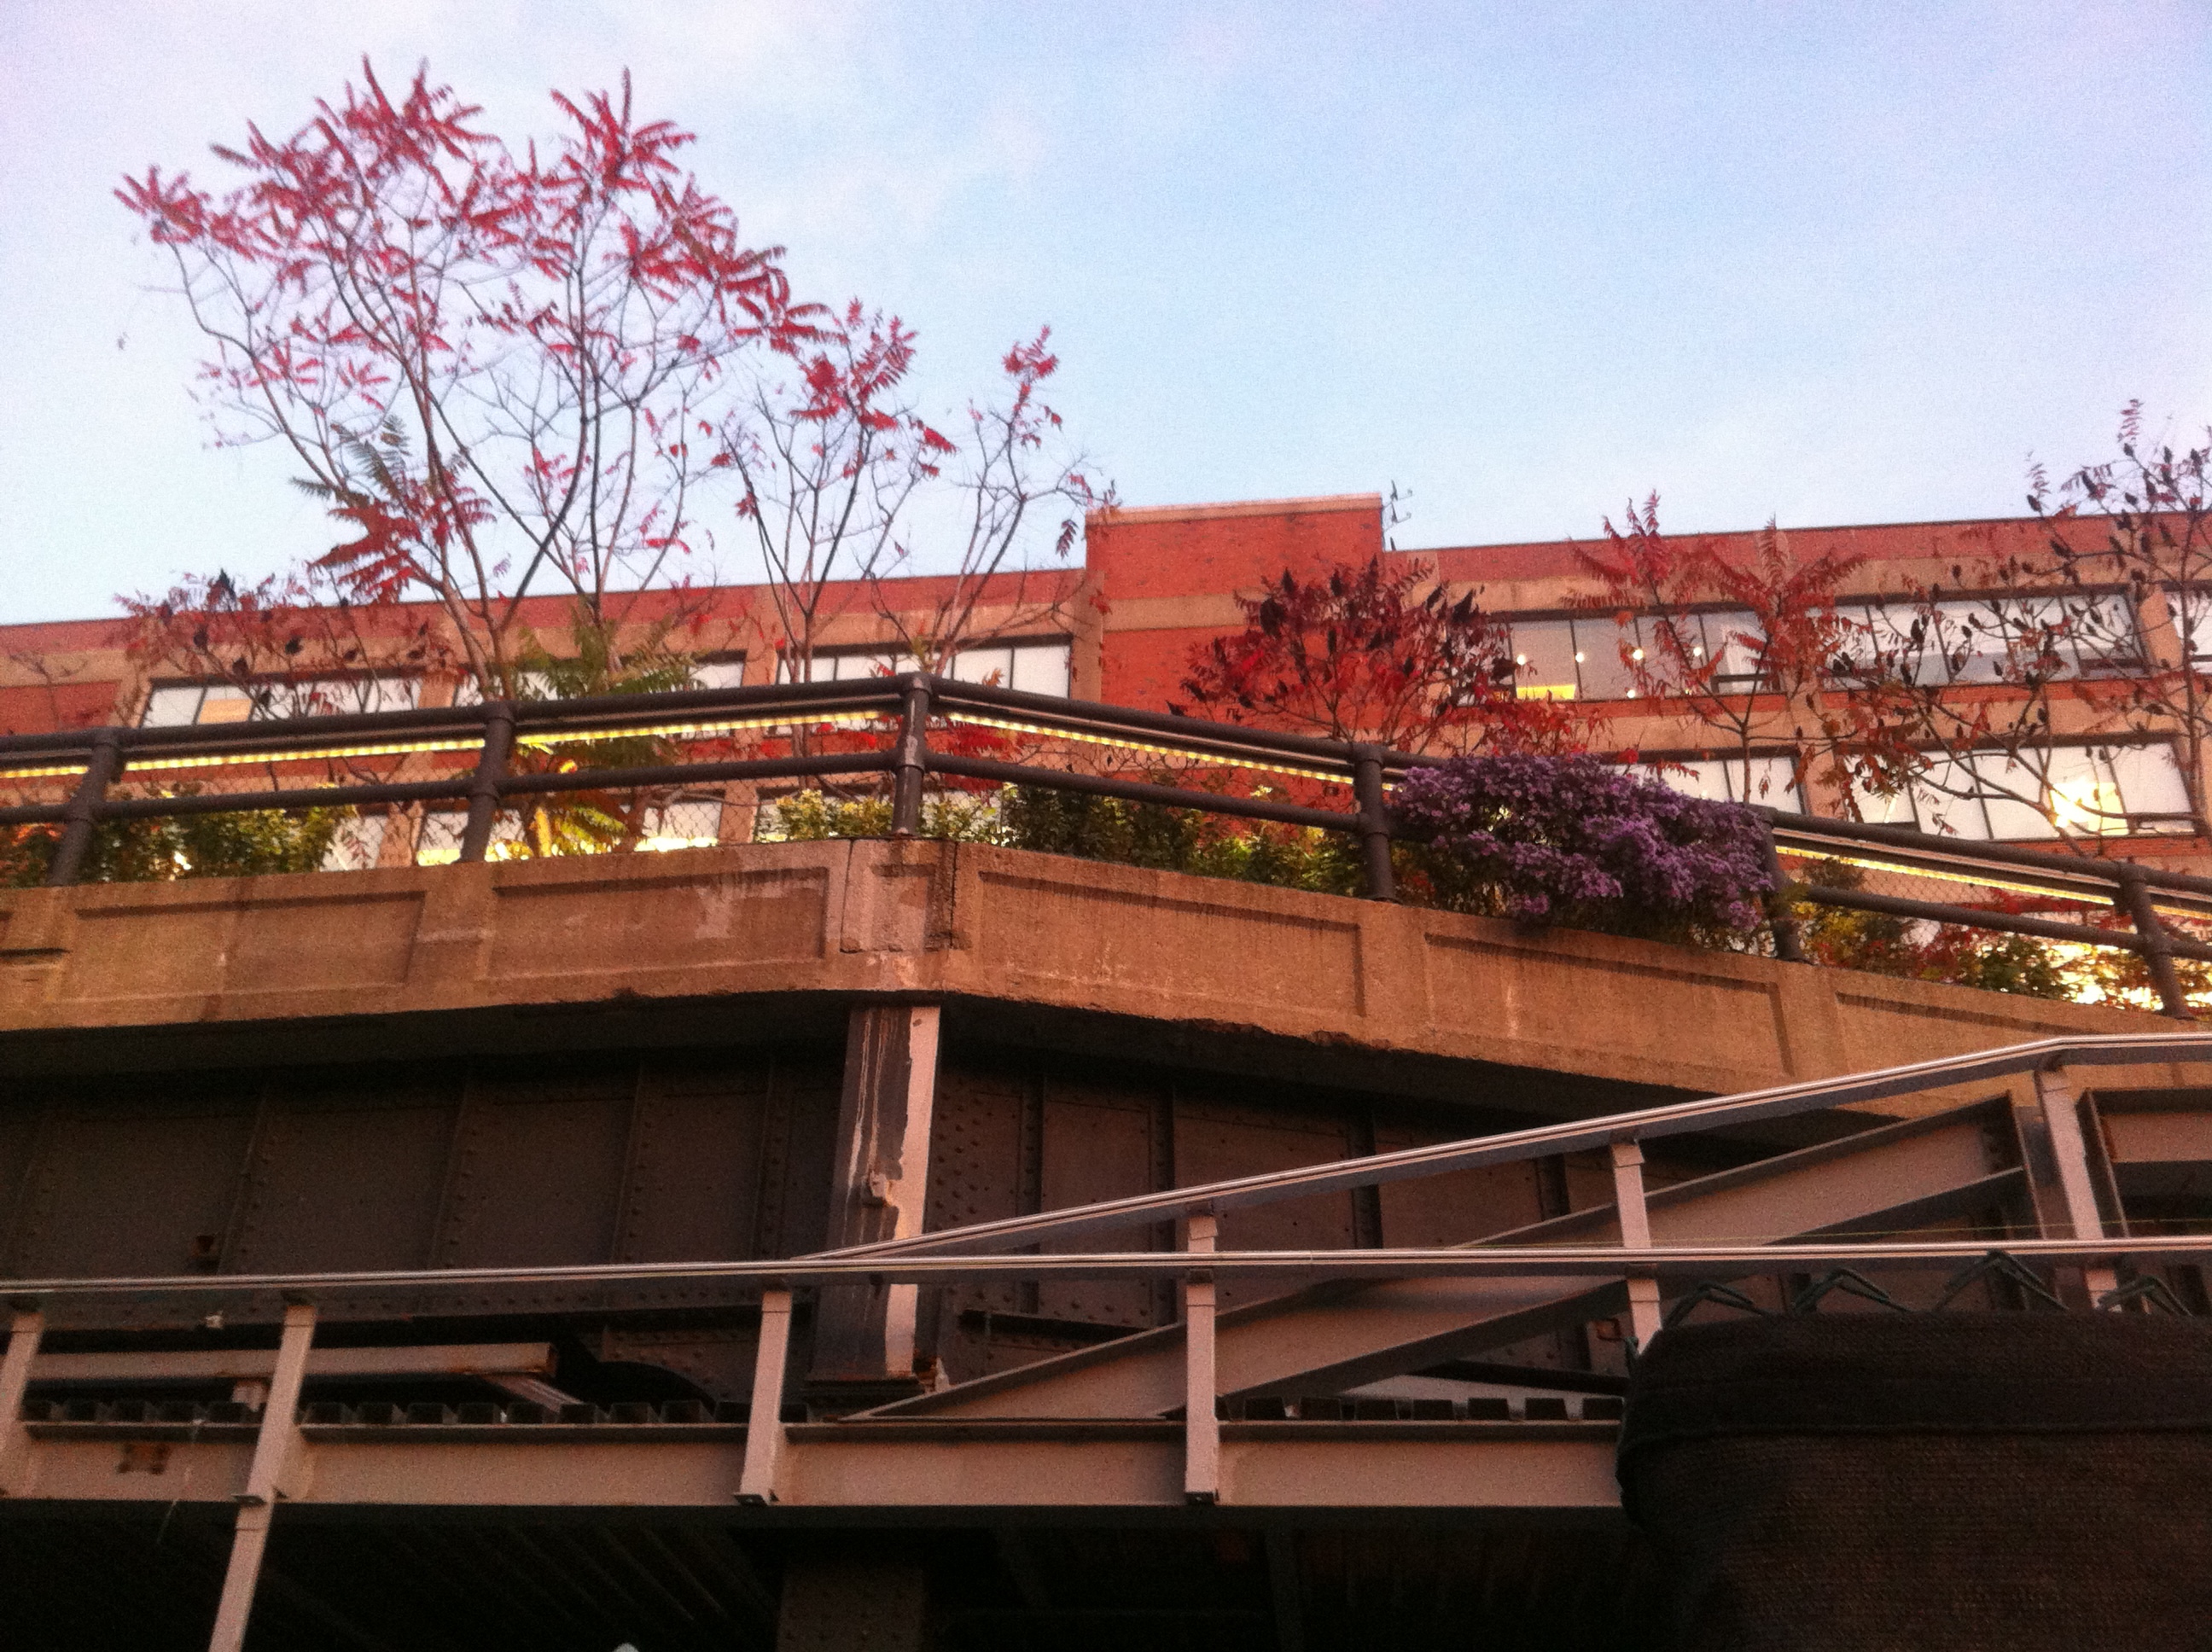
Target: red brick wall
[1168, 576]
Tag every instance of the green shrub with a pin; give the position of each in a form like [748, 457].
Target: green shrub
[245, 845]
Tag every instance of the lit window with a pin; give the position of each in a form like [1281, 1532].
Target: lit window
[183, 705]
[1771, 780]
[727, 672]
[2089, 790]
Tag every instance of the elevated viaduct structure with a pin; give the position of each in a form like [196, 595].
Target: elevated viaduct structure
[900, 1243]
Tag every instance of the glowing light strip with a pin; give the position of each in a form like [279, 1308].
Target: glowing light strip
[1120, 744]
[232, 759]
[701, 730]
[2007, 883]
[41, 774]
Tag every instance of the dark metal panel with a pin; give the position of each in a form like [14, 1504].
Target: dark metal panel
[1097, 1143]
[537, 1168]
[798, 1141]
[140, 1184]
[694, 1187]
[1450, 1210]
[975, 1158]
[1218, 1139]
[347, 1176]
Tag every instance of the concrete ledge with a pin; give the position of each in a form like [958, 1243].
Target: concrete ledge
[942, 920]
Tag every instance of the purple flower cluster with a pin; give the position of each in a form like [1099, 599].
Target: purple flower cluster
[1576, 842]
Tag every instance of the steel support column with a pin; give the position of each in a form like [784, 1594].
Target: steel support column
[764, 1435]
[1635, 1218]
[879, 1190]
[1201, 1474]
[24, 1330]
[274, 1450]
[2061, 1105]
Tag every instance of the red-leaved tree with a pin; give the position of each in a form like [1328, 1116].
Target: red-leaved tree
[504, 370]
[1757, 666]
[847, 485]
[1378, 652]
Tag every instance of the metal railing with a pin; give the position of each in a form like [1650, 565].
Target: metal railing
[906, 708]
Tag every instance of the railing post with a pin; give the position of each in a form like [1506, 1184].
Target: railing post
[1635, 1220]
[2135, 900]
[2061, 1105]
[764, 1418]
[80, 816]
[273, 1449]
[1201, 1470]
[913, 758]
[1374, 822]
[484, 785]
[1786, 945]
[24, 1330]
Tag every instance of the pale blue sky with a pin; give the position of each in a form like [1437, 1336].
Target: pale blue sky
[1837, 263]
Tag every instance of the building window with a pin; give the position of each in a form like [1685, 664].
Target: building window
[2127, 789]
[2192, 610]
[710, 671]
[183, 705]
[1037, 665]
[681, 823]
[1595, 656]
[1973, 639]
[1771, 779]
[719, 671]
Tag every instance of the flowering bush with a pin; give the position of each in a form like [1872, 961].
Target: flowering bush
[1576, 842]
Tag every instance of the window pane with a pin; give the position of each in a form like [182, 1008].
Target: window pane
[2150, 779]
[718, 674]
[1694, 778]
[2016, 796]
[1878, 811]
[1772, 783]
[1856, 637]
[226, 704]
[334, 696]
[1544, 659]
[2192, 622]
[993, 667]
[1972, 637]
[686, 823]
[1723, 780]
[1735, 641]
[1042, 668]
[356, 844]
[1598, 647]
[177, 706]
[844, 667]
[2103, 632]
[1888, 639]
[1946, 802]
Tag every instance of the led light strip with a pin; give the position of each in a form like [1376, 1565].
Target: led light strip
[6, 774]
[233, 759]
[1122, 744]
[701, 730]
[2011, 885]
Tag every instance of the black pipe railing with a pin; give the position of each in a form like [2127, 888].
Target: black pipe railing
[97, 761]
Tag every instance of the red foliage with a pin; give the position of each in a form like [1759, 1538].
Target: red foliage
[1762, 686]
[490, 364]
[839, 469]
[1369, 653]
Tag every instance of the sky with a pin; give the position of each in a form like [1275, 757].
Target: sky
[1832, 264]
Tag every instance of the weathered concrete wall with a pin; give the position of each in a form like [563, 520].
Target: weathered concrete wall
[941, 919]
